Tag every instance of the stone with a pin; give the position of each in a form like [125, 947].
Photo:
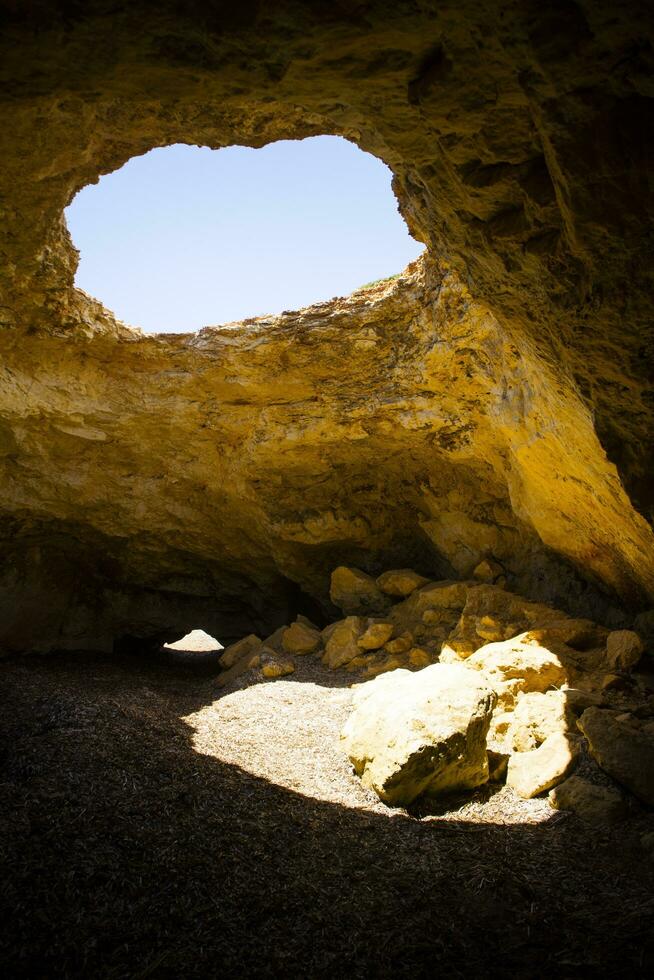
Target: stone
[488, 571]
[375, 636]
[355, 592]
[538, 716]
[342, 644]
[411, 734]
[249, 661]
[236, 651]
[301, 639]
[419, 658]
[599, 805]
[385, 665]
[279, 667]
[623, 649]
[401, 582]
[432, 617]
[621, 749]
[401, 644]
[531, 773]
[518, 666]
[275, 640]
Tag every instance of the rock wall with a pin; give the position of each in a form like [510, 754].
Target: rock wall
[494, 401]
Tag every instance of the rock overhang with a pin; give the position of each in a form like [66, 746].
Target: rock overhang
[429, 418]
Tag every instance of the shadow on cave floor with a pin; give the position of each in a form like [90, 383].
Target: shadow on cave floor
[133, 847]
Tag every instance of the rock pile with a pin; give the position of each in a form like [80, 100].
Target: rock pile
[469, 682]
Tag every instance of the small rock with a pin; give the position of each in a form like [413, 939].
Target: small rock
[401, 582]
[419, 658]
[249, 661]
[274, 641]
[355, 592]
[621, 750]
[400, 644]
[488, 571]
[394, 662]
[279, 667]
[594, 804]
[375, 636]
[612, 682]
[301, 639]
[489, 628]
[342, 646]
[531, 773]
[624, 649]
[432, 617]
[416, 733]
[233, 653]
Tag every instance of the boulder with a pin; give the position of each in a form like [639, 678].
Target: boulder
[420, 733]
[536, 717]
[341, 646]
[531, 773]
[602, 805]
[624, 649]
[401, 582]
[375, 636]
[622, 750]
[518, 666]
[301, 639]
[355, 592]
[232, 654]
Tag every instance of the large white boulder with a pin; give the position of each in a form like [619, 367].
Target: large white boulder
[415, 733]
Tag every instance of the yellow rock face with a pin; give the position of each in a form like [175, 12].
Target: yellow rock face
[493, 403]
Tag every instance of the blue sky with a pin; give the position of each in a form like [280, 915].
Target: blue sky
[186, 237]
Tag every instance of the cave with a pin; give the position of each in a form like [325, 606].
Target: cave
[492, 403]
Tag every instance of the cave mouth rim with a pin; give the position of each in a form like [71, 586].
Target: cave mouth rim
[277, 308]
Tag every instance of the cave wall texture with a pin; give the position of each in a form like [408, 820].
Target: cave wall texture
[495, 400]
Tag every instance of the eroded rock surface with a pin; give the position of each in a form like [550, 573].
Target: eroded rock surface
[493, 404]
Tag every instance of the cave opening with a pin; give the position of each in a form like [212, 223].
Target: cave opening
[185, 236]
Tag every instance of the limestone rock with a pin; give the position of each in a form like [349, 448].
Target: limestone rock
[401, 644]
[518, 666]
[531, 773]
[301, 639]
[488, 571]
[375, 636]
[601, 805]
[623, 649]
[419, 658]
[248, 661]
[624, 751]
[497, 403]
[236, 651]
[277, 667]
[538, 716]
[401, 582]
[415, 733]
[342, 644]
[355, 592]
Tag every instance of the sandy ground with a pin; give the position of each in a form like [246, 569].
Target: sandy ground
[153, 825]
